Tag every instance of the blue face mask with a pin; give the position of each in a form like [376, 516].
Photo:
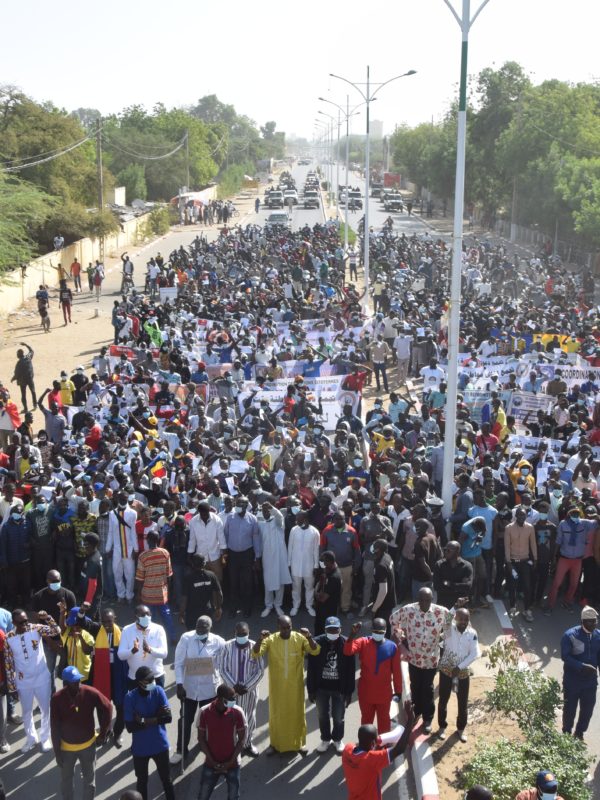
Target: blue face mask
[242, 640]
[144, 621]
[41, 507]
[230, 703]
[202, 636]
[17, 517]
[378, 637]
[54, 586]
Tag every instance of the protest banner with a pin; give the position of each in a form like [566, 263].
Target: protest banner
[527, 403]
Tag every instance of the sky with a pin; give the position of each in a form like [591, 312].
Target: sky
[272, 60]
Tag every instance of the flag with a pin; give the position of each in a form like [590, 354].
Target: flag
[154, 333]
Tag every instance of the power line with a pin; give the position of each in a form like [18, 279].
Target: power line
[56, 150]
[146, 157]
[562, 141]
[19, 167]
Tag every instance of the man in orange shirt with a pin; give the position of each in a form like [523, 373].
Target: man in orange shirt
[152, 576]
[75, 273]
[364, 762]
[546, 788]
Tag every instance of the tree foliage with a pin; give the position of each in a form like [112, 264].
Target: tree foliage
[542, 141]
[23, 207]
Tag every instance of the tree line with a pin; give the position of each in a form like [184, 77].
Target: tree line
[151, 153]
[533, 153]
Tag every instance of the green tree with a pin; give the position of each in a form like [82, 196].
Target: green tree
[23, 209]
[133, 178]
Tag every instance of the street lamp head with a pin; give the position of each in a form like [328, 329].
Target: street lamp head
[412, 72]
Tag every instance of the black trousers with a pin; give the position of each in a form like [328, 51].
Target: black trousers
[29, 384]
[140, 766]
[187, 714]
[445, 690]
[421, 689]
[523, 570]
[241, 579]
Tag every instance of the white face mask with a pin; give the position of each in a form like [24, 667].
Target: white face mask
[144, 621]
[150, 686]
[333, 637]
[548, 796]
[378, 637]
[295, 510]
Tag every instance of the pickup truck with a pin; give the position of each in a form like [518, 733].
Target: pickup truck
[278, 219]
[311, 198]
[274, 199]
[393, 202]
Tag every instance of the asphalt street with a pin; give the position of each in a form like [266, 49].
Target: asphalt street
[34, 775]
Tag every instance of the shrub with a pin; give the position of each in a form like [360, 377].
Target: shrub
[529, 696]
[157, 223]
[351, 234]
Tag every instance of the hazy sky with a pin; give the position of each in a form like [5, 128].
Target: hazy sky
[272, 60]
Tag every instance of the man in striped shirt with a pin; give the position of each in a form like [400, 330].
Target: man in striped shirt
[243, 673]
[152, 578]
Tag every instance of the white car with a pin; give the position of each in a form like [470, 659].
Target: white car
[278, 219]
[290, 196]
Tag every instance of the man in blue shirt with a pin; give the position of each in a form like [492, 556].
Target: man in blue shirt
[471, 537]
[571, 543]
[244, 549]
[146, 712]
[580, 652]
[482, 509]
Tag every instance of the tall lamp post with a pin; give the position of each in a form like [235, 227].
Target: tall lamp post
[326, 130]
[465, 22]
[347, 114]
[337, 160]
[368, 96]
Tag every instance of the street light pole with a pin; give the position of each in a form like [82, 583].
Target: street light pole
[368, 99]
[465, 22]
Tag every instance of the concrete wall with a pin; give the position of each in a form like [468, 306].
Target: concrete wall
[14, 291]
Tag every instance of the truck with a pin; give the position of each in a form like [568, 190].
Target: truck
[392, 180]
[311, 198]
[393, 202]
[274, 199]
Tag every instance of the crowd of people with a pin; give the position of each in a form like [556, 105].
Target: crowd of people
[222, 454]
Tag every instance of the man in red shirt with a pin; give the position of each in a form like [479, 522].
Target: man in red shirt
[364, 762]
[221, 734]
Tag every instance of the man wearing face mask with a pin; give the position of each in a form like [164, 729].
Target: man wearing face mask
[580, 652]
[121, 545]
[546, 788]
[545, 536]
[287, 716]
[379, 670]
[144, 643]
[207, 538]
[303, 561]
[51, 597]
[328, 591]
[571, 542]
[330, 680]
[244, 673]
[221, 734]
[15, 554]
[74, 738]
[42, 548]
[343, 542]
[196, 676]
[373, 526]
[243, 549]
[147, 713]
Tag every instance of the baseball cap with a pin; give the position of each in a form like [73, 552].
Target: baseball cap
[332, 622]
[72, 616]
[71, 675]
[587, 612]
[546, 781]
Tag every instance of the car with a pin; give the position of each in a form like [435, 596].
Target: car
[311, 198]
[277, 219]
[274, 199]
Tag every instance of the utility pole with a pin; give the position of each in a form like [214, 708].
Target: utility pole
[100, 181]
[187, 160]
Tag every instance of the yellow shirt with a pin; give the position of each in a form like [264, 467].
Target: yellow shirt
[67, 389]
[382, 444]
[75, 655]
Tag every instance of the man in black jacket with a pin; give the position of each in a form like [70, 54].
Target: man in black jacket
[23, 375]
[330, 684]
[452, 576]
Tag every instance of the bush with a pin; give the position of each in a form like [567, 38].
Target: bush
[528, 696]
[157, 223]
[506, 767]
[532, 699]
[351, 234]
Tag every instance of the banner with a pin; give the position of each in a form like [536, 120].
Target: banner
[527, 403]
[475, 401]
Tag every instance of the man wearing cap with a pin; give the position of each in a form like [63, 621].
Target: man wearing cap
[580, 652]
[546, 788]
[379, 669]
[74, 738]
[121, 544]
[330, 684]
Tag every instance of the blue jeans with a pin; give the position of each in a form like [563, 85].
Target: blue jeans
[109, 588]
[167, 619]
[326, 698]
[210, 778]
[575, 694]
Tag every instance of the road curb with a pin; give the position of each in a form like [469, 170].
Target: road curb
[420, 752]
